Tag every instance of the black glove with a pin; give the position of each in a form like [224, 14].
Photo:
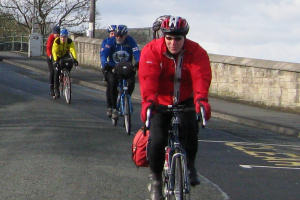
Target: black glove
[56, 65]
[106, 68]
[75, 62]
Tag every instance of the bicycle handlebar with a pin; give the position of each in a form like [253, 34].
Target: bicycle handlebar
[178, 108]
[66, 60]
[201, 117]
[147, 123]
[160, 108]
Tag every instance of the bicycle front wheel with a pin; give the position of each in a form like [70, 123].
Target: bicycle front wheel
[61, 85]
[167, 193]
[127, 115]
[67, 87]
[178, 193]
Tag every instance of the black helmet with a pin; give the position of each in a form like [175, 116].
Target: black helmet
[56, 29]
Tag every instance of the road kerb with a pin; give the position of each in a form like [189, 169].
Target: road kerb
[254, 123]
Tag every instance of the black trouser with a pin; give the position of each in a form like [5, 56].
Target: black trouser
[112, 88]
[188, 135]
[51, 71]
[56, 78]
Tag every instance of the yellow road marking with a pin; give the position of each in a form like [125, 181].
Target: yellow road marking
[268, 153]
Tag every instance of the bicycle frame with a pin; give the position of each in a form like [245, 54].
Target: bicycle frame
[176, 151]
[64, 79]
[124, 105]
[123, 91]
[173, 152]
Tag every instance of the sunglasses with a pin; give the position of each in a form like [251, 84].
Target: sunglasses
[178, 38]
[120, 36]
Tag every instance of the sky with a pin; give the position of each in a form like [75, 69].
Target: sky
[262, 29]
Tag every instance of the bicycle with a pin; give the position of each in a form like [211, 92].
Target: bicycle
[124, 105]
[175, 179]
[66, 64]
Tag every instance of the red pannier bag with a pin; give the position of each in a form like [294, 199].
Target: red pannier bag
[139, 148]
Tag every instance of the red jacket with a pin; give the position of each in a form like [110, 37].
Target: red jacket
[49, 44]
[156, 73]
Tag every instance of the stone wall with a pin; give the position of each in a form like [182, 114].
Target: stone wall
[263, 82]
[88, 51]
[269, 83]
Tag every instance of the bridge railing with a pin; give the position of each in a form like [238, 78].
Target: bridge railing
[18, 43]
[14, 43]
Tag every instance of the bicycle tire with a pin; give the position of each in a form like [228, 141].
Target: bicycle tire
[178, 180]
[67, 87]
[61, 85]
[166, 185]
[127, 115]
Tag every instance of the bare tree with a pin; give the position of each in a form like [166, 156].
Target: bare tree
[8, 26]
[68, 13]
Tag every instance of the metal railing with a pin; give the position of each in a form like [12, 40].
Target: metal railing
[18, 43]
[14, 43]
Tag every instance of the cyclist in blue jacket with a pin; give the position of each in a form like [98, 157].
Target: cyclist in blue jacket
[118, 49]
[111, 33]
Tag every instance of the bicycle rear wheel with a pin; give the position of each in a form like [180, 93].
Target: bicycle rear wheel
[127, 115]
[67, 87]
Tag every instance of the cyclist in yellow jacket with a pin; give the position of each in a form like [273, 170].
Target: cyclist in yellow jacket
[63, 47]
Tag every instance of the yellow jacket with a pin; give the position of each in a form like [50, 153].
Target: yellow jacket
[60, 49]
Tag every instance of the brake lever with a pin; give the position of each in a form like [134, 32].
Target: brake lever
[201, 117]
[147, 123]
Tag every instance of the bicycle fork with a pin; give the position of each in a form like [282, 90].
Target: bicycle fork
[169, 170]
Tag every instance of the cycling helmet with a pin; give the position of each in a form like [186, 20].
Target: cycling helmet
[157, 23]
[64, 33]
[175, 26]
[111, 28]
[56, 29]
[121, 30]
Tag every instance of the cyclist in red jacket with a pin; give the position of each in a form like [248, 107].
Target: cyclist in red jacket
[158, 62]
[50, 40]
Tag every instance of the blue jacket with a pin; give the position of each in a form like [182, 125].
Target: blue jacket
[113, 53]
[104, 42]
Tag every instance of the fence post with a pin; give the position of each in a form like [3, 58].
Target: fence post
[21, 48]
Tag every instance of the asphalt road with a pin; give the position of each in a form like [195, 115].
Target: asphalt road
[52, 150]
